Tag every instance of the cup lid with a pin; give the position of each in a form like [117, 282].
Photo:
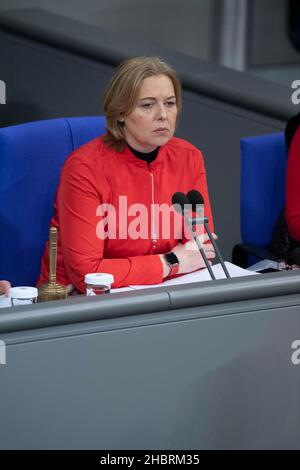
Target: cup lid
[96, 279]
[23, 292]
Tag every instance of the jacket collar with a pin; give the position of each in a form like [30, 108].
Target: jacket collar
[131, 159]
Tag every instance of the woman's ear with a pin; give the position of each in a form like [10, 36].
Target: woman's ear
[121, 119]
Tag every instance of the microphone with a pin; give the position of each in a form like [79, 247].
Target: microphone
[182, 204]
[196, 199]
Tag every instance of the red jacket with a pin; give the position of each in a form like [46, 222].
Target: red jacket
[95, 174]
[292, 209]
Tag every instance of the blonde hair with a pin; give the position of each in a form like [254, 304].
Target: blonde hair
[122, 93]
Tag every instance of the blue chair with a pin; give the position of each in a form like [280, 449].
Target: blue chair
[31, 157]
[263, 169]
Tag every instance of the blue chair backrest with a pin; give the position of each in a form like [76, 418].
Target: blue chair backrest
[263, 170]
[31, 157]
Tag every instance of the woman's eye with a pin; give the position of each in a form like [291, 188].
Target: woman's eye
[170, 104]
[147, 105]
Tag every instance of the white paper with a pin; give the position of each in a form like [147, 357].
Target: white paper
[5, 301]
[197, 276]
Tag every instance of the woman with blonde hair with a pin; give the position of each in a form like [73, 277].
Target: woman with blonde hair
[114, 192]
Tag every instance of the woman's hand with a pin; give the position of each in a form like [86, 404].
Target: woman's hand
[190, 259]
[4, 287]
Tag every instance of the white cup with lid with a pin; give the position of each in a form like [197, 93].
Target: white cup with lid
[98, 283]
[23, 295]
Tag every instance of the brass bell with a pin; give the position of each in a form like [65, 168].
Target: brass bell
[52, 290]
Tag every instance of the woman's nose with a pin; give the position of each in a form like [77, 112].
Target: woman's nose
[162, 112]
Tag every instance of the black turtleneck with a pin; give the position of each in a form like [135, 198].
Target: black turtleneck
[147, 157]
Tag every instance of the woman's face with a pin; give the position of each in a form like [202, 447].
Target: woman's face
[152, 121]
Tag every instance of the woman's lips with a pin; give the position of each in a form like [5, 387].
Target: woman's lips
[161, 130]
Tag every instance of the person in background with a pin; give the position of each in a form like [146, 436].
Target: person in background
[4, 287]
[285, 244]
[137, 164]
[292, 210]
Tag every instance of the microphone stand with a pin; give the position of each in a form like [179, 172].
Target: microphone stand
[198, 243]
[204, 220]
